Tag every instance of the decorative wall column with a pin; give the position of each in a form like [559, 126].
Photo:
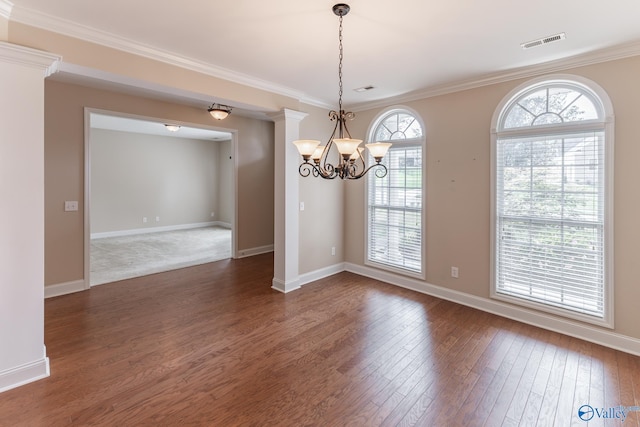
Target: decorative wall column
[22, 352]
[286, 203]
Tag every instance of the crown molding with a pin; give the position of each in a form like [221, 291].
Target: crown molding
[595, 57]
[68, 28]
[5, 8]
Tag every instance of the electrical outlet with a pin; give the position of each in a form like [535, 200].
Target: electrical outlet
[144, 219]
[454, 272]
[333, 251]
[70, 206]
[157, 219]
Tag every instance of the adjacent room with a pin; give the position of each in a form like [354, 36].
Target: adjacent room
[162, 197]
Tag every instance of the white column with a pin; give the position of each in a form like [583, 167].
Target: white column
[22, 353]
[286, 203]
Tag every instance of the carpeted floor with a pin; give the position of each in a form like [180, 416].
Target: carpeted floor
[118, 258]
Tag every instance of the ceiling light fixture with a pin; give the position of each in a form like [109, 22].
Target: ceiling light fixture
[350, 162]
[172, 128]
[219, 111]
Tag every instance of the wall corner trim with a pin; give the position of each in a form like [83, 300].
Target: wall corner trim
[24, 374]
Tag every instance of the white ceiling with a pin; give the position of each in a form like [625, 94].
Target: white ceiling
[399, 47]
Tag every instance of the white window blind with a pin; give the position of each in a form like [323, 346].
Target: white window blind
[550, 220]
[395, 210]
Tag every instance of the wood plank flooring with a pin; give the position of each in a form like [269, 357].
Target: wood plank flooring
[213, 345]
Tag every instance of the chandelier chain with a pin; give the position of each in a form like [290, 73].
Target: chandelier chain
[340, 68]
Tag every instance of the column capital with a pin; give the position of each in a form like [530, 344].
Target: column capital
[287, 114]
[26, 56]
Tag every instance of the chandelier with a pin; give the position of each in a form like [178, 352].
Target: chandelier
[347, 155]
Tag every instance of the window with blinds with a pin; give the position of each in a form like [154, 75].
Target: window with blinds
[550, 202]
[394, 203]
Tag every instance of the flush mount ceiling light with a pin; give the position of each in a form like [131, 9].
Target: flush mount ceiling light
[219, 111]
[172, 128]
[348, 160]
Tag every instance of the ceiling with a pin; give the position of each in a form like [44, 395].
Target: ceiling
[151, 127]
[401, 48]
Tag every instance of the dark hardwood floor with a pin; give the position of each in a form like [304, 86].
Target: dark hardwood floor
[213, 345]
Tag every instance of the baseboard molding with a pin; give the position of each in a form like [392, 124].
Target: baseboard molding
[283, 287]
[24, 374]
[64, 288]
[563, 326]
[243, 253]
[146, 230]
[321, 273]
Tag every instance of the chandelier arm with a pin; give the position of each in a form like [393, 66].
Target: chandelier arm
[346, 116]
[380, 173]
[327, 149]
[305, 169]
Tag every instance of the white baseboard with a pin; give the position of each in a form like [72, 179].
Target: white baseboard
[243, 253]
[64, 288]
[563, 326]
[283, 287]
[312, 276]
[134, 231]
[24, 374]
[305, 278]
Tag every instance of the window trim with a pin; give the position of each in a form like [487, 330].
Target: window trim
[421, 142]
[606, 123]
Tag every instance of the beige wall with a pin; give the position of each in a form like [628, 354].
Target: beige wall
[458, 186]
[64, 169]
[321, 223]
[136, 176]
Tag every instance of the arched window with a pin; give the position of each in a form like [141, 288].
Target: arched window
[552, 154]
[394, 203]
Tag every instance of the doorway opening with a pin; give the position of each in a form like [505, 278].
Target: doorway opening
[156, 199]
